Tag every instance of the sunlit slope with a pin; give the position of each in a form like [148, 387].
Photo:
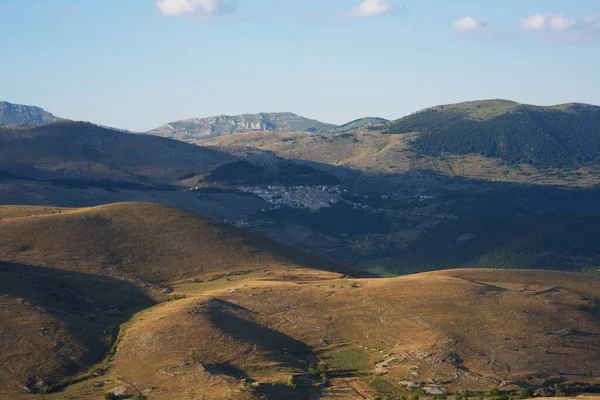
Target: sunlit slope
[466, 329]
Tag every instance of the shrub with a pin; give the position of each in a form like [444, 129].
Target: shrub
[559, 392]
[526, 394]
[109, 396]
[324, 377]
[292, 382]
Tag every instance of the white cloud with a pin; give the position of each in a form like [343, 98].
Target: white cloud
[562, 22]
[563, 26]
[535, 22]
[373, 8]
[201, 8]
[469, 24]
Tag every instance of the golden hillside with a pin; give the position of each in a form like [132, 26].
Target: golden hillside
[71, 277]
[248, 318]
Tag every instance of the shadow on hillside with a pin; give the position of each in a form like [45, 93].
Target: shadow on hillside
[285, 351]
[121, 160]
[91, 307]
[236, 321]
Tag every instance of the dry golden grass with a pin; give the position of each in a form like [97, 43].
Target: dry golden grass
[474, 329]
[27, 211]
[247, 309]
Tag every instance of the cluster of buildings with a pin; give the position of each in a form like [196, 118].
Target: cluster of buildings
[311, 197]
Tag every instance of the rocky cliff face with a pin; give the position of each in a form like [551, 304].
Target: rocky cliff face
[227, 125]
[17, 114]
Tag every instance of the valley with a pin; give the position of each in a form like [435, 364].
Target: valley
[308, 265]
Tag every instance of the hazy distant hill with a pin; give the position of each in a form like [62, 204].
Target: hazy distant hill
[72, 152]
[562, 135]
[195, 128]
[357, 124]
[17, 114]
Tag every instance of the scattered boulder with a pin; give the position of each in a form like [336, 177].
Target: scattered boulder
[119, 391]
[434, 389]
[409, 385]
[98, 384]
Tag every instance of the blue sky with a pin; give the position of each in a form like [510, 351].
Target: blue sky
[137, 64]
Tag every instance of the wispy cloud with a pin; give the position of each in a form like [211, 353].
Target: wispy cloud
[57, 8]
[469, 24]
[563, 26]
[373, 8]
[198, 8]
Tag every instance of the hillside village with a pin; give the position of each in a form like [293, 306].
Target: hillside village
[311, 197]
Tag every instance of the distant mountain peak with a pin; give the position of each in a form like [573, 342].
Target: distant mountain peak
[18, 114]
[358, 124]
[197, 128]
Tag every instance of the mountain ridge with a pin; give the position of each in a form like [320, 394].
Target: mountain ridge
[543, 136]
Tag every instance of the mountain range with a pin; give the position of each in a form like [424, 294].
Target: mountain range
[199, 128]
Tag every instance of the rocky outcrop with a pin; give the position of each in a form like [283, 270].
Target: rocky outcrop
[17, 114]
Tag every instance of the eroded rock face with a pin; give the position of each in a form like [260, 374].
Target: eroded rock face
[227, 125]
[17, 114]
